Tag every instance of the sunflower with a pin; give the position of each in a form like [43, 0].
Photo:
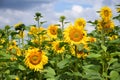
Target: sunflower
[91, 39]
[106, 13]
[75, 35]
[33, 30]
[106, 25]
[81, 54]
[80, 22]
[35, 59]
[113, 37]
[58, 47]
[78, 54]
[19, 26]
[18, 51]
[52, 31]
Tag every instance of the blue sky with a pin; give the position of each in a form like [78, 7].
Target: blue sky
[14, 11]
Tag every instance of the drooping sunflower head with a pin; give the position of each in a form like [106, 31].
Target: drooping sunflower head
[35, 59]
[52, 31]
[91, 39]
[81, 54]
[19, 26]
[106, 13]
[80, 22]
[75, 35]
[77, 53]
[58, 47]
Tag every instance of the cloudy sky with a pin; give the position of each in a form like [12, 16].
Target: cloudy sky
[14, 11]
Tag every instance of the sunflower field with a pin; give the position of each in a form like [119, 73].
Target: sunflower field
[61, 52]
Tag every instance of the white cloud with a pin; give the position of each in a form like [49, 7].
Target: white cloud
[77, 9]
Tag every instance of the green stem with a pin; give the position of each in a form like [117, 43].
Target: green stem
[76, 62]
[62, 56]
[38, 23]
[62, 25]
[39, 76]
[102, 37]
[39, 34]
[104, 55]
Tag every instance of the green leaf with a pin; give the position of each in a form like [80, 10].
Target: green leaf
[50, 72]
[117, 41]
[7, 71]
[11, 77]
[93, 55]
[76, 74]
[51, 79]
[112, 61]
[92, 67]
[21, 67]
[115, 67]
[91, 74]
[62, 63]
[73, 73]
[115, 54]
[4, 56]
[114, 75]
[80, 47]
[104, 48]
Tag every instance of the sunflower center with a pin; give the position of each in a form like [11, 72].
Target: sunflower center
[76, 35]
[53, 31]
[35, 58]
[106, 12]
[58, 47]
[80, 23]
[80, 52]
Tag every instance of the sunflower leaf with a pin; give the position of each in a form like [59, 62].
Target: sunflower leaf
[62, 63]
[114, 75]
[50, 72]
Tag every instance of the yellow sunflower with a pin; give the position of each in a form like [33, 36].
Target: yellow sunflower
[81, 54]
[52, 31]
[106, 13]
[106, 25]
[78, 54]
[80, 22]
[75, 35]
[18, 51]
[33, 30]
[91, 39]
[2, 40]
[35, 59]
[113, 37]
[57, 47]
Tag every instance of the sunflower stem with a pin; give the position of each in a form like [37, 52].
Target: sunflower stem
[39, 75]
[76, 62]
[22, 40]
[104, 54]
[38, 21]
